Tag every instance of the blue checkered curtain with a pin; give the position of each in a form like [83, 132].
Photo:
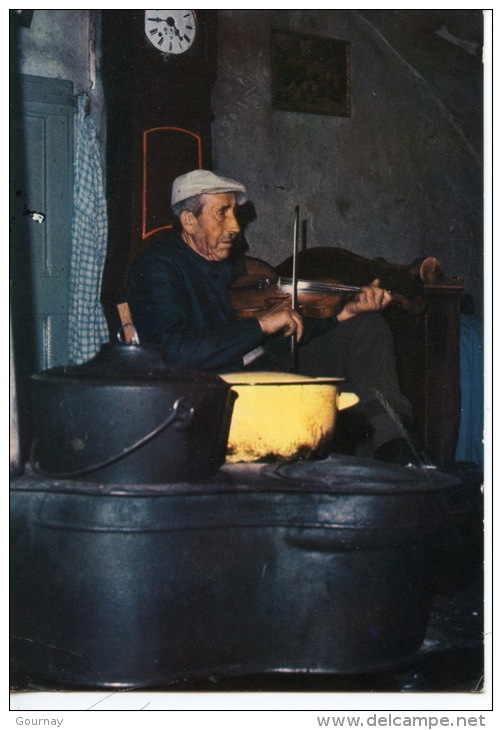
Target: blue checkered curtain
[87, 323]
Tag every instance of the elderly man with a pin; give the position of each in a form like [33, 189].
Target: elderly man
[178, 294]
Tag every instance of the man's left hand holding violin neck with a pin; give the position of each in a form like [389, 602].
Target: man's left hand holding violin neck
[371, 298]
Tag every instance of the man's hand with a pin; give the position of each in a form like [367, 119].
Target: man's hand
[370, 299]
[280, 317]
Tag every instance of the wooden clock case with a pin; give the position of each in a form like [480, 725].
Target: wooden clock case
[159, 118]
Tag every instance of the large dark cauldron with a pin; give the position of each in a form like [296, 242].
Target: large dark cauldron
[324, 566]
[128, 416]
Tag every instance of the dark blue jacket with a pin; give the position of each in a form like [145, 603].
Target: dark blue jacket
[180, 300]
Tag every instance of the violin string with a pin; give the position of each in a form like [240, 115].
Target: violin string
[318, 286]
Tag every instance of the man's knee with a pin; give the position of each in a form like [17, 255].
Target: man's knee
[369, 325]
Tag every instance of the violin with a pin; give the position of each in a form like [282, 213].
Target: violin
[260, 288]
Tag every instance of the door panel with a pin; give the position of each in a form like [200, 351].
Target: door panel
[41, 182]
[42, 176]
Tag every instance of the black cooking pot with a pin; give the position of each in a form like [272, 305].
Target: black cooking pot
[129, 416]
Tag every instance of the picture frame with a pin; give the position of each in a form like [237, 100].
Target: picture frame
[310, 74]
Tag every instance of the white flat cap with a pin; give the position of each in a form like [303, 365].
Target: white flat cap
[200, 182]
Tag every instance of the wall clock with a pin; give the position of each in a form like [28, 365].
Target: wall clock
[170, 31]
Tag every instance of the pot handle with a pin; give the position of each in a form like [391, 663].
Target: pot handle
[184, 415]
[181, 411]
[347, 400]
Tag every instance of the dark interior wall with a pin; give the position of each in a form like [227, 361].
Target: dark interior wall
[401, 177]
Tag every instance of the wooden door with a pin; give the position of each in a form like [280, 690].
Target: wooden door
[41, 194]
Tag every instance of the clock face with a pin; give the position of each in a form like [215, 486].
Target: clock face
[170, 31]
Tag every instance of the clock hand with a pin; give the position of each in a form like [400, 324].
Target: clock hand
[181, 37]
[172, 24]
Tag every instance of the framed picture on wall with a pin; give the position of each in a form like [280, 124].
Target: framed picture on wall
[310, 74]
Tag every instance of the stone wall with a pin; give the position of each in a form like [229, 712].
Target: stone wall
[399, 178]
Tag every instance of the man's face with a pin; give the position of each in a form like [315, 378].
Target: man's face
[212, 233]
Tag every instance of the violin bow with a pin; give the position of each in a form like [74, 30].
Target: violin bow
[294, 294]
